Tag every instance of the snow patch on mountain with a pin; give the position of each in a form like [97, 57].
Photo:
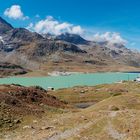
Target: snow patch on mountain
[1, 39]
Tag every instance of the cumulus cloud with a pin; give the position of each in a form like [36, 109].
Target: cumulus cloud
[109, 37]
[53, 26]
[30, 26]
[15, 12]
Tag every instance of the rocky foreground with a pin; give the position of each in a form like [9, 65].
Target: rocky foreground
[18, 102]
[33, 114]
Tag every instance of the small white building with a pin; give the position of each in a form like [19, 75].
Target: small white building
[138, 79]
[50, 89]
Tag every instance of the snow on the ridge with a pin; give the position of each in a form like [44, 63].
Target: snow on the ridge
[1, 39]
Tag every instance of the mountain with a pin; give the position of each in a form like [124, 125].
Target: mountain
[4, 26]
[72, 38]
[66, 52]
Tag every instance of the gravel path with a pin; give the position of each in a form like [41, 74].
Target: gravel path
[72, 132]
[110, 129]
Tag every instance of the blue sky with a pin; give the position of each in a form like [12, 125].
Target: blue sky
[121, 16]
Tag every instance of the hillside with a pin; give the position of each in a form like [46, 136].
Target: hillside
[113, 114]
[7, 69]
[18, 102]
[66, 52]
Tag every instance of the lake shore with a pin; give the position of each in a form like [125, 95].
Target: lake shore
[76, 79]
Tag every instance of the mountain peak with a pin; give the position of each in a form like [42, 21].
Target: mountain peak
[72, 38]
[4, 26]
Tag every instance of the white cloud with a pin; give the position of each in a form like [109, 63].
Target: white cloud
[15, 12]
[30, 26]
[53, 26]
[77, 30]
[109, 37]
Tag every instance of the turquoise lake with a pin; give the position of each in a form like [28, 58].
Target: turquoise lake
[58, 82]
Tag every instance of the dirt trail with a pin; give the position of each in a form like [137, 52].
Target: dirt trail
[75, 131]
[114, 133]
[68, 133]
[111, 130]
[72, 132]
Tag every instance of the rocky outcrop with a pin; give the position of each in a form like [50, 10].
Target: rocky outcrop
[17, 101]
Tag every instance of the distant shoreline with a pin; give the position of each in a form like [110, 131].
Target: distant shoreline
[132, 72]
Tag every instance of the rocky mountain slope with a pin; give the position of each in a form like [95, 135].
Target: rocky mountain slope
[66, 52]
[17, 102]
[7, 69]
[4, 26]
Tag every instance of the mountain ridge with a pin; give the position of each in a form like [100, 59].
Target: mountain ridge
[72, 38]
[4, 26]
[66, 52]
